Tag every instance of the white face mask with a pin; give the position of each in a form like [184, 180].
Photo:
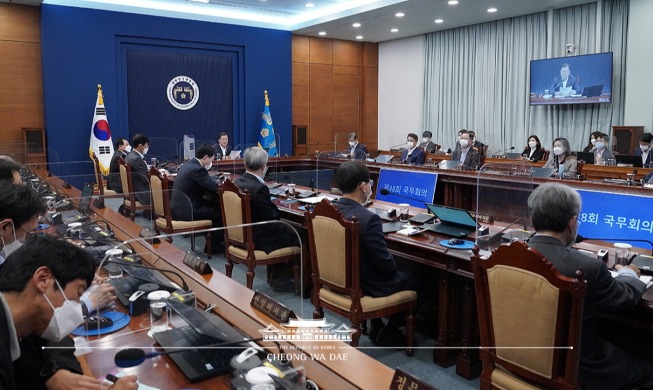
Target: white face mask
[128, 148]
[593, 141]
[426, 140]
[64, 319]
[644, 147]
[464, 142]
[557, 150]
[532, 144]
[410, 144]
[8, 249]
[208, 165]
[146, 150]
[599, 145]
[352, 143]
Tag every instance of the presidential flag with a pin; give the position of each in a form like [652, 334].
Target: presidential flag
[101, 143]
[266, 138]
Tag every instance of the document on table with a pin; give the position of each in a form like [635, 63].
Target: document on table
[648, 279]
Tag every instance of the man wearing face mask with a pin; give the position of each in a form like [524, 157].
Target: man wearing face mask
[467, 155]
[40, 298]
[191, 184]
[644, 149]
[9, 172]
[378, 271]
[601, 152]
[554, 210]
[121, 149]
[357, 151]
[412, 154]
[427, 145]
[136, 160]
[20, 208]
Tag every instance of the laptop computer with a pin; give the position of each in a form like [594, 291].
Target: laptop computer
[512, 156]
[63, 218]
[202, 329]
[384, 158]
[593, 90]
[448, 164]
[644, 263]
[542, 172]
[588, 157]
[453, 222]
[634, 161]
[126, 286]
[234, 154]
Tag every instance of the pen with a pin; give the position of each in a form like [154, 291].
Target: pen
[112, 378]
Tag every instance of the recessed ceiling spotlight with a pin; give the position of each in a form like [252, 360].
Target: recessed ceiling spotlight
[394, 29]
[491, 10]
[322, 33]
[439, 20]
[400, 14]
[359, 37]
[200, 1]
[356, 25]
[309, 5]
[453, 2]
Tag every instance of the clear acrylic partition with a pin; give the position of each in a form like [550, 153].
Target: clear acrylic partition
[71, 173]
[502, 192]
[397, 142]
[28, 153]
[341, 145]
[164, 149]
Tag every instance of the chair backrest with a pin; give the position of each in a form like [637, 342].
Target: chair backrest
[160, 194]
[236, 210]
[334, 248]
[579, 167]
[126, 179]
[98, 174]
[545, 155]
[523, 301]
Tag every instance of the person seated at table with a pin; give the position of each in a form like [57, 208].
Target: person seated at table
[566, 84]
[591, 142]
[565, 165]
[121, 149]
[192, 182]
[554, 209]
[136, 160]
[412, 154]
[427, 145]
[9, 172]
[601, 151]
[460, 136]
[20, 208]
[378, 271]
[467, 155]
[357, 151]
[272, 236]
[39, 297]
[223, 149]
[644, 149]
[534, 150]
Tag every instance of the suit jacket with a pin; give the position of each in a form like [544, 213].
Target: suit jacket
[140, 180]
[417, 157]
[218, 152]
[360, 152]
[537, 154]
[472, 160]
[571, 166]
[269, 237]
[114, 182]
[33, 357]
[647, 163]
[190, 184]
[428, 147]
[602, 365]
[378, 271]
[572, 82]
[605, 154]
[7, 380]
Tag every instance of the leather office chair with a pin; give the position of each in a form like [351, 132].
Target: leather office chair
[239, 241]
[579, 167]
[163, 214]
[334, 246]
[101, 185]
[545, 155]
[523, 301]
[130, 204]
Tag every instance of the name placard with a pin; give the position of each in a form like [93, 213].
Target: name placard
[405, 381]
[271, 307]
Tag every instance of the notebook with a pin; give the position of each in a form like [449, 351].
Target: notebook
[453, 222]
[202, 329]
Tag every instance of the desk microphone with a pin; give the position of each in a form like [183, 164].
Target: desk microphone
[493, 238]
[184, 286]
[580, 239]
[132, 357]
[500, 152]
[385, 191]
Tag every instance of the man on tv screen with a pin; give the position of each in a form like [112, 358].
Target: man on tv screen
[566, 84]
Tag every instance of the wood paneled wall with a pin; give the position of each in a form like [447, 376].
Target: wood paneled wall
[21, 100]
[334, 91]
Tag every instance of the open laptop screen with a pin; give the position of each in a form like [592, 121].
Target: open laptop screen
[452, 215]
[85, 200]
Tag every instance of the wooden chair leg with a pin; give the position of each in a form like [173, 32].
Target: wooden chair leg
[228, 266]
[355, 337]
[209, 241]
[318, 313]
[192, 242]
[410, 332]
[250, 278]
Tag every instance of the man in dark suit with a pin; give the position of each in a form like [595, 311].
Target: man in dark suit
[480, 146]
[644, 149]
[223, 149]
[468, 156]
[357, 150]
[121, 148]
[565, 84]
[136, 160]
[187, 202]
[554, 210]
[412, 154]
[427, 145]
[378, 273]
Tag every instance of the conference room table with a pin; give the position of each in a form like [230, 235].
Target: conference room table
[353, 369]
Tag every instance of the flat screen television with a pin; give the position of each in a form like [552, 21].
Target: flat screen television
[571, 80]
[412, 187]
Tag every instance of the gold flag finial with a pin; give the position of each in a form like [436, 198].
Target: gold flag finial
[100, 98]
[267, 99]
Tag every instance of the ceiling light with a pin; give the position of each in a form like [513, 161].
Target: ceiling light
[394, 30]
[309, 5]
[439, 20]
[322, 33]
[359, 37]
[400, 14]
[200, 1]
[491, 10]
[453, 2]
[356, 25]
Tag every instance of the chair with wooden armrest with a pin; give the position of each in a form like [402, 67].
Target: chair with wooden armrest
[239, 241]
[530, 319]
[163, 213]
[101, 184]
[334, 248]
[130, 204]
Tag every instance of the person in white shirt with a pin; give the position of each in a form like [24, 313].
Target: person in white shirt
[222, 149]
[601, 151]
[644, 149]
